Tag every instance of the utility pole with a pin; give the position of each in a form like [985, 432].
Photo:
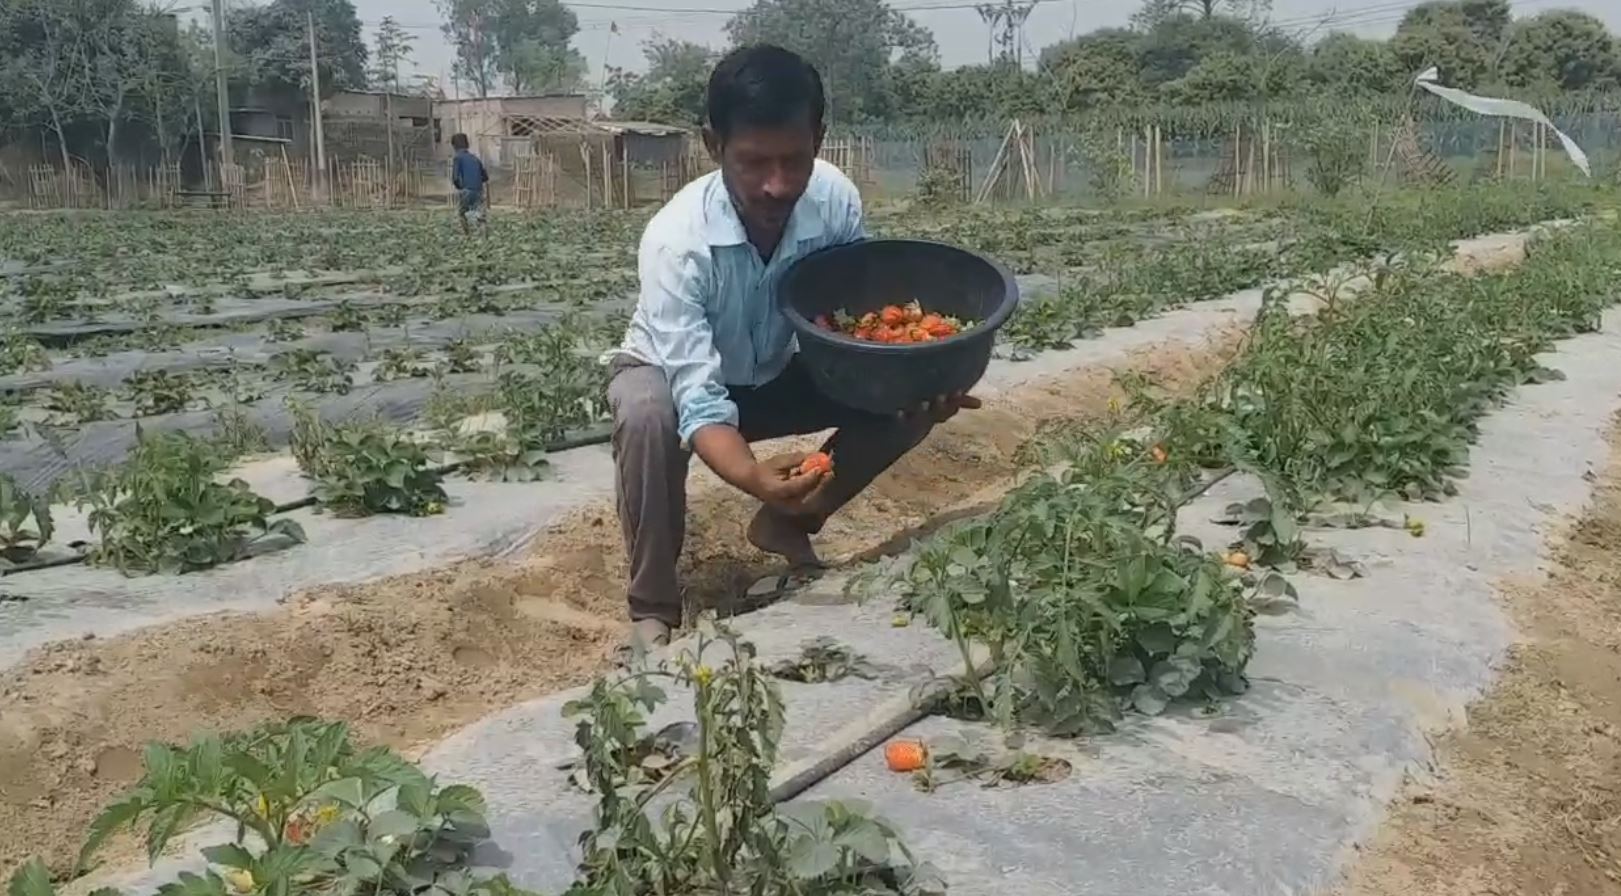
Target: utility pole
[1006, 26]
[221, 88]
[315, 106]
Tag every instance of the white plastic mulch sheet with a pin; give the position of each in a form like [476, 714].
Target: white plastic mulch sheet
[1486, 105]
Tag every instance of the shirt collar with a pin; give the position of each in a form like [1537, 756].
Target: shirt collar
[722, 226]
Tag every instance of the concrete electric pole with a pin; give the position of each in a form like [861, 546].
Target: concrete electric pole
[221, 87]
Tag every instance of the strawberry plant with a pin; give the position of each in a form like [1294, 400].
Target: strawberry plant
[83, 403]
[461, 357]
[163, 510]
[312, 814]
[1088, 600]
[403, 363]
[360, 470]
[20, 353]
[346, 317]
[158, 391]
[504, 456]
[285, 329]
[1381, 396]
[25, 522]
[315, 371]
[822, 660]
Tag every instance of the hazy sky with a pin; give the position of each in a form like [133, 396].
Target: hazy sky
[959, 31]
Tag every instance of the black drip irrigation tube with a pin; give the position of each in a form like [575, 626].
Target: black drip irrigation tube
[599, 436]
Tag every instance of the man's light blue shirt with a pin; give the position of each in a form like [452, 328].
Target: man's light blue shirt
[707, 314]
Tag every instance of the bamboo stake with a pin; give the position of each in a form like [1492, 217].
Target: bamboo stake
[1159, 160]
[1238, 149]
[1502, 131]
[1513, 149]
[1134, 157]
[1542, 151]
[1148, 161]
[1249, 169]
[997, 164]
[1266, 156]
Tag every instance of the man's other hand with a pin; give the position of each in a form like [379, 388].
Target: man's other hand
[779, 482]
[943, 408]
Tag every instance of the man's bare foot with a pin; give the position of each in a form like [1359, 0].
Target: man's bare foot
[645, 635]
[650, 632]
[781, 535]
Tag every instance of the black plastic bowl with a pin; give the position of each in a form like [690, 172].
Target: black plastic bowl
[866, 276]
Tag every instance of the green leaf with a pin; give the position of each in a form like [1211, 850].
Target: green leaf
[350, 792]
[165, 823]
[32, 879]
[1126, 669]
[809, 816]
[191, 884]
[1149, 700]
[109, 822]
[394, 823]
[1158, 639]
[811, 859]
[229, 855]
[866, 840]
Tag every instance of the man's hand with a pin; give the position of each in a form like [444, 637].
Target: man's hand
[943, 408]
[778, 482]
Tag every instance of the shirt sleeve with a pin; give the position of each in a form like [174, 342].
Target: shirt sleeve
[671, 305]
[851, 225]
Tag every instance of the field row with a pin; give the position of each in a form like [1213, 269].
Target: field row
[338, 398]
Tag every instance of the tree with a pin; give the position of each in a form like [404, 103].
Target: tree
[469, 26]
[273, 43]
[526, 42]
[391, 49]
[1173, 46]
[1345, 63]
[536, 65]
[532, 45]
[852, 43]
[1155, 11]
[1232, 77]
[972, 92]
[1561, 49]
[1096, 69]
[672, 90]
[46, 64]
[1461, 39]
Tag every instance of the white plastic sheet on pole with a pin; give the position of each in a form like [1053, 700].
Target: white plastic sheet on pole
[1486, 105]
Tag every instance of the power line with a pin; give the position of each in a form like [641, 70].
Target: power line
[1373, 14]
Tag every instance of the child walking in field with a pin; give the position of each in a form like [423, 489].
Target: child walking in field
[468, 176]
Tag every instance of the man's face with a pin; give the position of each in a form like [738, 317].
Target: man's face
[766, 170]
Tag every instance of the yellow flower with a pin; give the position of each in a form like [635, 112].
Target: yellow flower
[327, 814]
[1114, 405]
[240, 879]
[900, 620]
[263, 806]
[1415, 528]
[703, 675]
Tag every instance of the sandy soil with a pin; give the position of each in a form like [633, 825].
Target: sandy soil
[1528, 798]
[408, 659]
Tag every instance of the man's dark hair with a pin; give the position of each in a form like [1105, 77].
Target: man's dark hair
[458, 141]
[764, 86]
